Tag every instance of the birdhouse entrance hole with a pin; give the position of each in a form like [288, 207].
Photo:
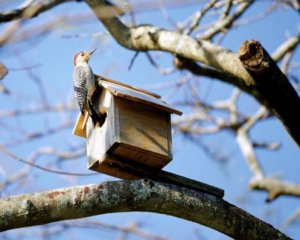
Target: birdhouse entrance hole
[102, 119]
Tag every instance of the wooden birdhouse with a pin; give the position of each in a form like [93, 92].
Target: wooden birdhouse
[135, 130]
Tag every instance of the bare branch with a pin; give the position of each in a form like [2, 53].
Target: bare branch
[32, 164]
[289, 45]
[31, 10]
[38, 110]
[246, 146]
[275, 187]
[132, 228]
[198, 16]
[292, 218]
[225, 22]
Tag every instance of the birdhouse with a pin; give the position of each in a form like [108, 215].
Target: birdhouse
[135, 130]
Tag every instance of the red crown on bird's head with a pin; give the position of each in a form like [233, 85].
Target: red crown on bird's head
[85, 55]
[75, 57]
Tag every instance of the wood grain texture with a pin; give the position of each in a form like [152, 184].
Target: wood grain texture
[144, 128]
[100, 139]
[138, 96]
[79, 128]
[106, 79]
[140, 134]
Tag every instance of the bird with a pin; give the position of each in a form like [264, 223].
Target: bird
[84, 84]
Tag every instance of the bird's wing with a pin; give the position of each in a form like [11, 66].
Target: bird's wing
[79, 83]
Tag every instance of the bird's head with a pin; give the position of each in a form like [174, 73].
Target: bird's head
[83, 56]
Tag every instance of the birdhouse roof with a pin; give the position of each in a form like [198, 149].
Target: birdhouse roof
[134, 94]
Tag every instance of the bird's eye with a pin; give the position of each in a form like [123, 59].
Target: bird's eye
[82, 54]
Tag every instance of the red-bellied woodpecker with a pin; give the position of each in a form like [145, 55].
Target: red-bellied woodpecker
[84, 84]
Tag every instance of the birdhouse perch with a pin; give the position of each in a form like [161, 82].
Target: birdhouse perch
[136, 130]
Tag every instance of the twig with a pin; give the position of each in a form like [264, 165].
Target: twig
[198, 16]
[132, 60]
[275, 187]
[225, 23]
[288, 46]
[12, 155]
[246, 145]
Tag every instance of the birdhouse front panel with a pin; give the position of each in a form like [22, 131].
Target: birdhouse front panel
[101, 138]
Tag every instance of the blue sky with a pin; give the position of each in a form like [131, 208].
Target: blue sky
[52, 55]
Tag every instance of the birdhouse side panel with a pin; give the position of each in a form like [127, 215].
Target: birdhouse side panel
[101, 138]
[144, 129]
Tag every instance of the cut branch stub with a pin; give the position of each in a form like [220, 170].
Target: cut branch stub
[272, 85]
[252, 55]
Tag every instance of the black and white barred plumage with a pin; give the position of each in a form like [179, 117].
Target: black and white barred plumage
[80, 86]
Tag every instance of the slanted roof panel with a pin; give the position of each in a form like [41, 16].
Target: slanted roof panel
[137, 95]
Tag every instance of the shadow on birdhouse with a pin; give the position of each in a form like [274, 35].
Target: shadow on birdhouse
[135, 130]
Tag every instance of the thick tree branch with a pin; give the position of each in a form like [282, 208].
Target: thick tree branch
[147, 37]
[273, 85]
[125, 196]
[196, 69]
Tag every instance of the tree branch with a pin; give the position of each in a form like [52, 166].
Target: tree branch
[273, 85]
[147, 37]
[288, 46]
[30, 10]
[225, 23]
[125, 196]
[196, 69]
[275, 187]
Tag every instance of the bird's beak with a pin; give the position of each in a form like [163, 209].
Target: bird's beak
[91, 52]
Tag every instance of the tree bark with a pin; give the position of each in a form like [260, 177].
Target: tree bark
[271, 83]
[126, 196]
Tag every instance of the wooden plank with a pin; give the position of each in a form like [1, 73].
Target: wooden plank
[129, 170]
[139, 97]
[86, 116]
[80, 127]
[101, 78]
[172, 178]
